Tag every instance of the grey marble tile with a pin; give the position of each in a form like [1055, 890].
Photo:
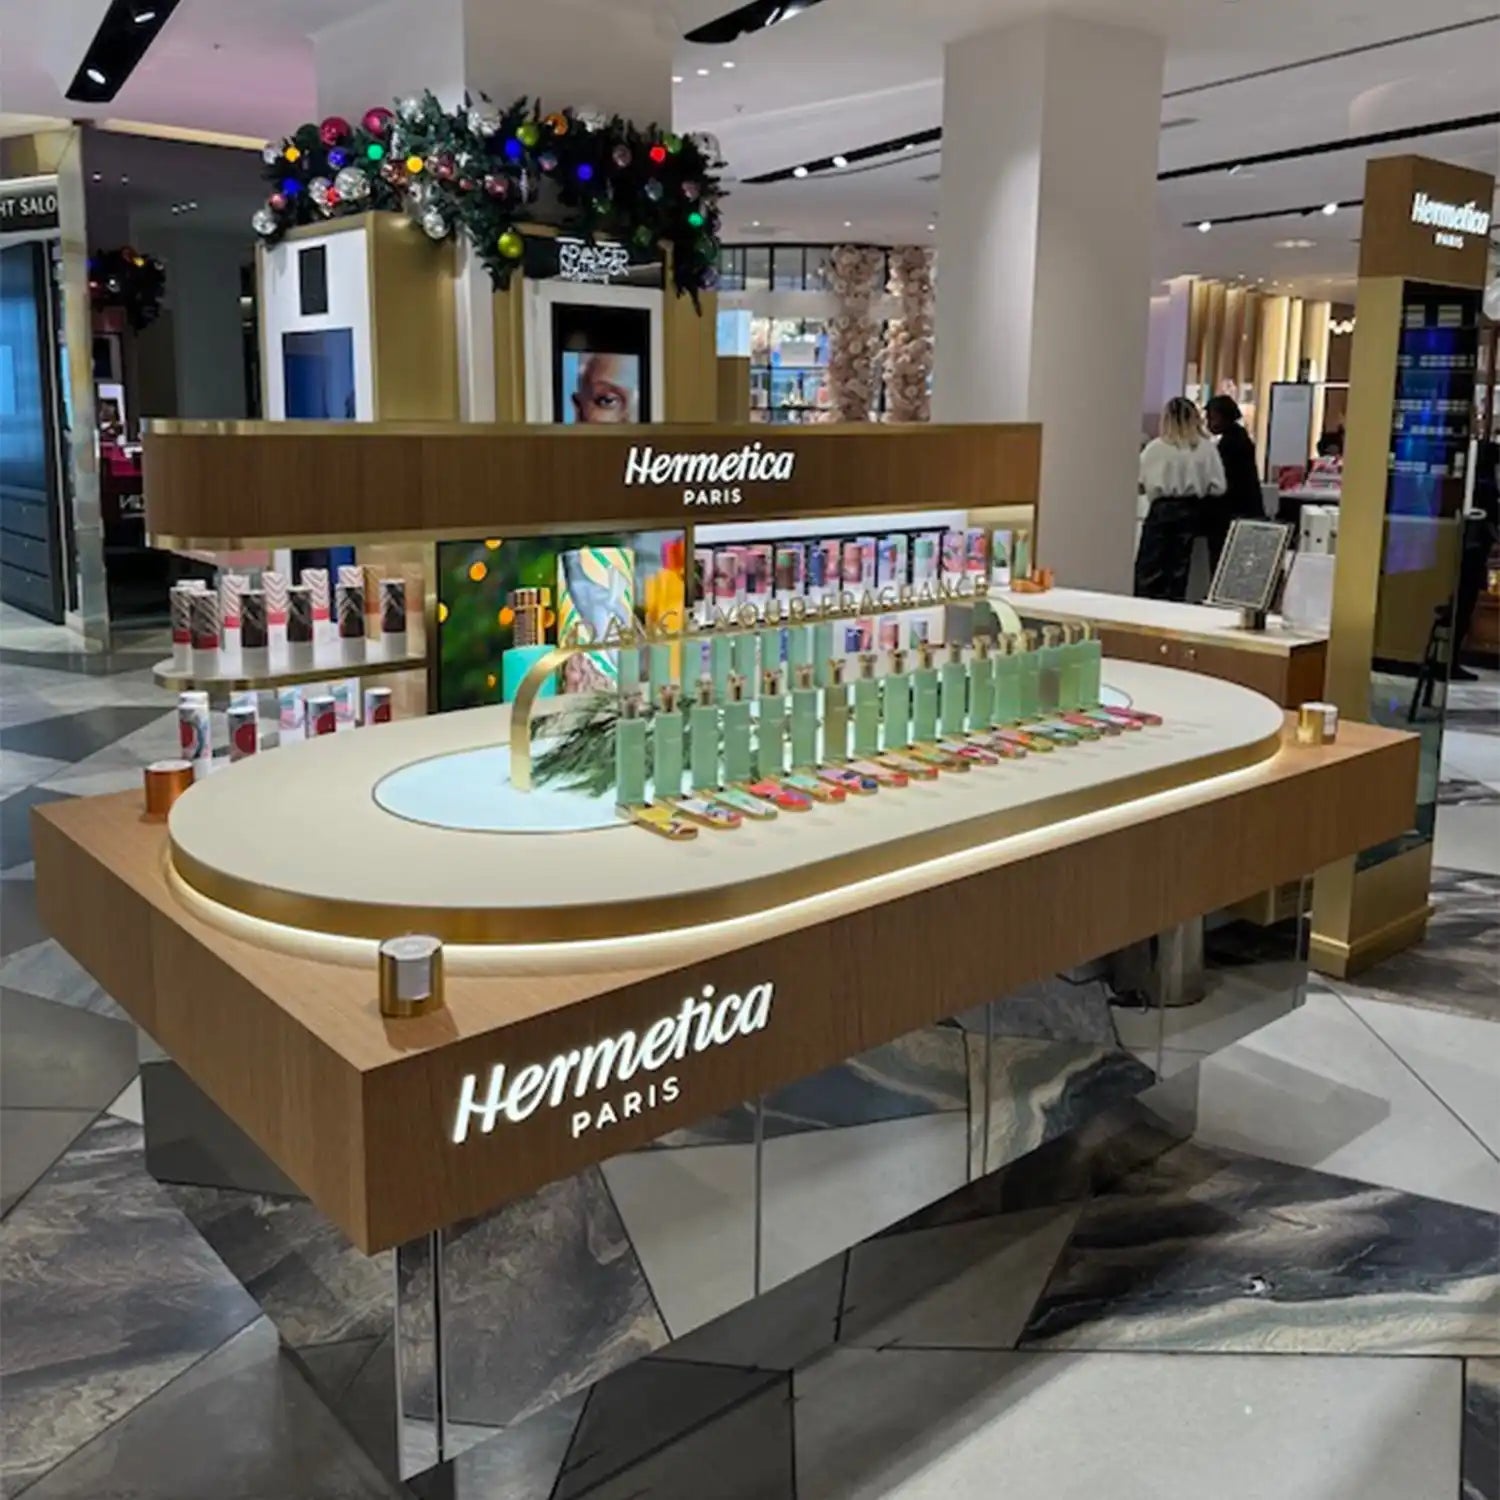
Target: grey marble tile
[30, 1141]
[15, 823]
[20, 925]
[1204, 1250]
[1457, 965]
[71, 736]
[517, 1463]
[307, 1278]
[58, 1057]
[970, 1284]
[18, 770]
[980, 1424]
[241, 1424]
[1481, 1442]
[647, 1407]
[745, 1452]
[1058, 1009]
[542, 1298]
[109, 1294]
[1458, 792]
[332, 1368]
[49, 970]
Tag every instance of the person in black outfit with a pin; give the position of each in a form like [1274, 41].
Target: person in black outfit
[1241, 500]
[1481, 531]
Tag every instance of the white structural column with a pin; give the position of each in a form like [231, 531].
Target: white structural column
[609, 56]
[1044, 266]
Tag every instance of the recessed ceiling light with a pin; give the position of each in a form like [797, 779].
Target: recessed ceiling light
[1330, 209]
[841, 161]
[726, 64]
[98, 177]
[124, 177]
[848, 223]
[677, 78]
[703, 72]
[1204, 225]
[755, 223]
[799, 171]
[94, 75]
[931, 228]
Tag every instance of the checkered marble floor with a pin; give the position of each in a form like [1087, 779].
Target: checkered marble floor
[1301, 1301]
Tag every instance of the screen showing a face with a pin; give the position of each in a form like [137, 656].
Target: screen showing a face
[601, 364]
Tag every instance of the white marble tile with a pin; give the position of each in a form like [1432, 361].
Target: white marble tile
[127, 1106]
[1467, 837]
[940, 1425]
[966, 1285]
[1457, 1057]
[49, 970]
[826, 1189]
[690, 1214]
[1471, 757]
[18, 771]
[1317, 1089]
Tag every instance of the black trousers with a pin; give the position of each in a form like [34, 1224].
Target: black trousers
[1165, 556]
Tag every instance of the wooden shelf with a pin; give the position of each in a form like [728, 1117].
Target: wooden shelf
[328, 664]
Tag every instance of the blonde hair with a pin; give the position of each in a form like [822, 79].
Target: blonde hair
[1181, 426]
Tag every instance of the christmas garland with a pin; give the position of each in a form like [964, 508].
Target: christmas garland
[125, 278]
[484, 172]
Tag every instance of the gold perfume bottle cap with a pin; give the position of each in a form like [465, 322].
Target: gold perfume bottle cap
[924, 655]
[1051, 635]
[956, 653]
[835, 670]
[630, 706]
[770, 682]
[667, 696]
[736, 688]
[1028, 640]
[867, 665]
[1010, 645]
[982, 646]
[705, 691]
[411, 976]
[1087, 630]
[898, 660]
[804, 677]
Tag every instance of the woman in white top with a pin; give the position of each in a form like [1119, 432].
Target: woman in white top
[1179, 471]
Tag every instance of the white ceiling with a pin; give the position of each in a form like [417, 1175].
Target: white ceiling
[851, 72]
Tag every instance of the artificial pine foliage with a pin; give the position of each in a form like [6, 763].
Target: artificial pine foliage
[580, 754]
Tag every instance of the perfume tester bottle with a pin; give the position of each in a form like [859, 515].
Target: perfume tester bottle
[1030, 676]
[798, 648]
[981, 685]
[721, 654]
[1008, 681]
[1091, 669]
[804, 720]
[955, 690]
[924, 692]
[896, 703]
[666, 743]
[1050, 664]
[703, 739]
[737, 764]
[822, 650]
[770, 744]
[835, 714]
[630, 753]
[867, 707]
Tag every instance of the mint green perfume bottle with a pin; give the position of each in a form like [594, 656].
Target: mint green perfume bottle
[1020, 557]
[722, 654]
[1050, 665]
[1030, 676]
[661, 667]
[703, 740]
[737, 762]
[1070, 695]
[770, 743]
[1008, 681]
[770, 651]
[822, 650]
[630, 753]
[896, 703]
[804, 720]
[981, 685]
[867, 707]
[955, 690]
[924, 693]
[666, 743]
[628, 660]
[798, 648]
[835, 715]
[1091, 673]
[744, 656]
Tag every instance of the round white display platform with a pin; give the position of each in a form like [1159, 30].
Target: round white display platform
[345, 834]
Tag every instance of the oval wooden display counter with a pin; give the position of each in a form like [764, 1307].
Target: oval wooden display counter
[369, 873]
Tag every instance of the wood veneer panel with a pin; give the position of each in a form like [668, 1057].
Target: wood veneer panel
[359, 1112]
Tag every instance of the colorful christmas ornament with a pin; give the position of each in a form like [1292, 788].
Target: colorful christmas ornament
[414, 164]
[514, 150]
[496, 186]
[620, 156]
[690, 191]
[653, 190]
[529, 134]
[378, 120]
[511, 245]
[585, 172]
[375, 151]
[277, 201]
[547, 161]
[333, 130]
[658, 153]
[292, 154]
[558, 124]
[337, 158]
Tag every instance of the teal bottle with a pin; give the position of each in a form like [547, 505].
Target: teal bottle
[744, 656]
[835, 715]
[1091, 673]
[1007, 707]
[981, 685]
[798, 648]
[737, 763]
[1050, 666]
[770, 651]
[630, 753]
[895, 698]
[804, 720]
[722, 653]
[924, 693]
[1030, 674]
[703, 744]
[955, 690]
[770, 742]
[667, 743]
[628, 659]
[822, 650]
[867, 707]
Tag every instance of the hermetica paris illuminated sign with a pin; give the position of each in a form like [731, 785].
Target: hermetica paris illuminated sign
[709, 478]
[1451, 221]
[590, 1081]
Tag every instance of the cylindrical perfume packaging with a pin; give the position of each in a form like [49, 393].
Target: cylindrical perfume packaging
[791, 566]
[300, 608]
[351, 612]
[315, 580]
[345, 703]
[291, 714]
[1317, 723]
[181, 598]
[255, 653]
[322, 715]
[231, 586]
[244, 732]
[205, 628]
[166, 781]
[393, 614]
[273, 585]
[377, 705]
[411, 976]
[195, 729]
[703, 584]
